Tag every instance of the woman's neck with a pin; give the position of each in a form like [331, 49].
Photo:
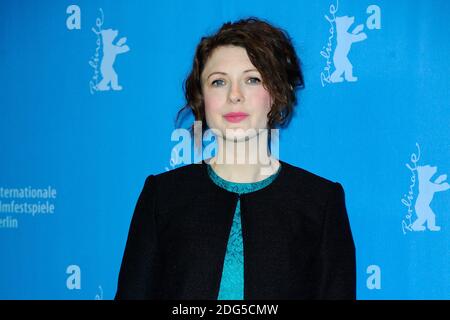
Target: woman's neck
[238, 162]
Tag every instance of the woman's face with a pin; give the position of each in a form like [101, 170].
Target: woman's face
[233, 92]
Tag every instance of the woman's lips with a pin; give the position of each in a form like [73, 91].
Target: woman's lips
[235, 116]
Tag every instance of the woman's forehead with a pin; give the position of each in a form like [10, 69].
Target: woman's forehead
[227, 53]
[229, 59]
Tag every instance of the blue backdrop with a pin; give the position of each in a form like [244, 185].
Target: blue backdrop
[374, 116]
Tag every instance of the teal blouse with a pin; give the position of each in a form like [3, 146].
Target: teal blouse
[232, 281]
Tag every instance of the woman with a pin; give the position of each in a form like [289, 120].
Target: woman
[242, 224]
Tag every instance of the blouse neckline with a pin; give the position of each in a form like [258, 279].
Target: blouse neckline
[240, 187]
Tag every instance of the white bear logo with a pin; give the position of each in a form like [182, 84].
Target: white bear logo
[427, 189]
[110, 51]
[344, 43]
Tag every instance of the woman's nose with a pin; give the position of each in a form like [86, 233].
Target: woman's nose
[236, 94]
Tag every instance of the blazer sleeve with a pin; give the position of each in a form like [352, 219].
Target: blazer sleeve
[141, 267]
[337, 261]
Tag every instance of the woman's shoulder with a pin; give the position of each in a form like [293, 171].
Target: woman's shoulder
[309, 185]
[189, 173]
[304, 176]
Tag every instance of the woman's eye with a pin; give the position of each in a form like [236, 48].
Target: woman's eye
[216, 81]
[254, 80]
[220, 82]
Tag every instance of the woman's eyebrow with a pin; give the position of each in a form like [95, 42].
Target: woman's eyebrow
[224, 73]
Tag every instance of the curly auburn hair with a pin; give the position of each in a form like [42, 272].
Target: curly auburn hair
[270, 50]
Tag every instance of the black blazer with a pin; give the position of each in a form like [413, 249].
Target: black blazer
[296, 237]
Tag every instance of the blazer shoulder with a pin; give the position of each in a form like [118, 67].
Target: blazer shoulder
[305, 176]
[309, 184]
[184, 175]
